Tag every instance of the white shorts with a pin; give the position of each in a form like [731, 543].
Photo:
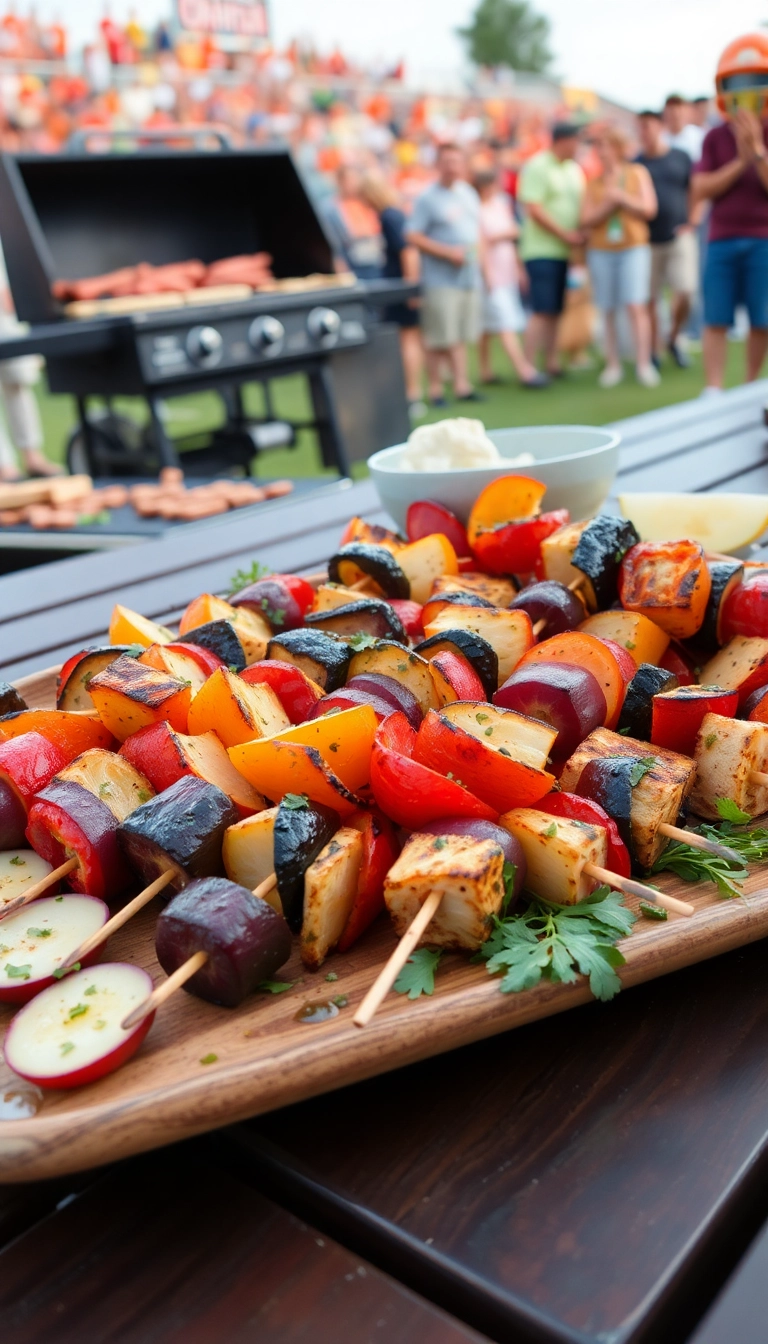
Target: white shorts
[620, 277]
[675, 264]
[502, 310]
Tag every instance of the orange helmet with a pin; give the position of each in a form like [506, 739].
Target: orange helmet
[742, 75]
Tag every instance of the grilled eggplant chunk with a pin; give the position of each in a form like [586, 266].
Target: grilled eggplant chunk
[607, 780]
[182, 829]
[474, 648]
[222, 639]
[369, 617]
[358, 561]
[510, 633]
[657, 797]
[727, 751]
[726, 575]
[299, 834]
[468, 872]
[330, 887]
[393, 660]
[637, 710]
[11, 702]
[556, 852]
[600, 551]
[324, 658]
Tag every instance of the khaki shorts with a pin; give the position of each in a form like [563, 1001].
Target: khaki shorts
[675, 264]
[450, 317]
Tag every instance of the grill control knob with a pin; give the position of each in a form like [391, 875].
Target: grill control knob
[323, 325]
[205, 346]
[266, 335]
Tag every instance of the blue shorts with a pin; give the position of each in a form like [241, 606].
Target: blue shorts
[546, 292]
[736, 272]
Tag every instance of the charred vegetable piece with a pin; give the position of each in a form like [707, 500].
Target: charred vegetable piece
[393, 660]
[301, 830]
[179, 662]
[110, 778]
[181, 829]
[273, 600]
[487, 830]
[78, 672]
[744, 608]
[27, 764]
[669, 582]
[599, 552]
[556, 853]
[557, 554]
[726, 576]
[608, 782]
[633, 632]
[478, 652]
[245, 940]
[425, 517]
[552, 603]
[510, 633]
[236, 710]
[128, 696]
[395, 692]
[13, 817]
[439, 601]
[741, 666]
[350, 697]
[425, 561]
[565, 697]
[330, 886]
[515, 548]
[369, 617]
[223, 640]
[658, 795]
[727, 752]
[587, 810]
[165, 756]
[380, 849]
[358, 560]
[10, 700]
[678, 714]
[468, 872]
[499, 592]
[498, 754]
[67, 821]
[328, 596]
[322, 657]
[295, 691]
[373, 534]
[637, 710]
[455, 678]
[73, 733]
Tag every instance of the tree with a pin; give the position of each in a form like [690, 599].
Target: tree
[508, 32]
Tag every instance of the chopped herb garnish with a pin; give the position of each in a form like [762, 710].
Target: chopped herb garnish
[276, 986]
[66, 1047]
[559, 941]
[728, 811]
[710, 740]
[333, 746]
[242, 578]
[362, 640]
[440, 843]
[503, 752]
[209, 1059]
[143, 796]
[625, 731]
[331, 976]
[652, 911]
[79, 1010]
[481, 718]
[295, 801]
[629, 644]
[341, 1000]
[639, 768]
[105, 789]
[418, 974]
[86, 519]
[99, 1024]
[39, 933]
[18, 862]
[18, 972]
[58, 898]
[551, 831]
[90, 990]
[402, 667]
[234, 669]
[61, 971]
[488, 731]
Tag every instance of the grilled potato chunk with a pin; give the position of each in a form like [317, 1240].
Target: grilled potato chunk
[469, 874]
[509, 633]
[657, 798]
[248, 852]
[332, 595]
[330, 887]
[497, 591]
[556, 557]
[727, 751]
[556, 852]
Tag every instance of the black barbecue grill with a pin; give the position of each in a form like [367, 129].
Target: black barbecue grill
[77, 215]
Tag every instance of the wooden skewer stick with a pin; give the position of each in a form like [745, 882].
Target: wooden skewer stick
[164, 991]
[538, 627]
[265, 887]
[389, 973]
[701, 841]
[645, 893]
[117, 921]
[576, 583]
[39, 888]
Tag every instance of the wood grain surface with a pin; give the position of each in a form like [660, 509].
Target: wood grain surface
[265, 1058]
[176, 1251]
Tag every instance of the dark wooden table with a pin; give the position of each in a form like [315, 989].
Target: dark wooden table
[598, 1177]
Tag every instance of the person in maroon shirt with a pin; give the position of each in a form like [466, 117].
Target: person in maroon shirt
[733, 175]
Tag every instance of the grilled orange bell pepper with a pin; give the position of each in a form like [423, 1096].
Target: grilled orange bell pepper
[73, 732]
[344, 740]
[508, 499]
[292, 767]
[669, 582]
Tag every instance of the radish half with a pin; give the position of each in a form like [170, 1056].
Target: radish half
[20, 869]
[70, 1034]
[35, 941]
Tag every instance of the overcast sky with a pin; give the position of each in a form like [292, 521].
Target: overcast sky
[634, 52]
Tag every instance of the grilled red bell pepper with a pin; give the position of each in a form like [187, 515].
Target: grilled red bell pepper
[495, 777]
[27, 764]
[408, 792]
[455, 678]
[295, 691]
[677, 715]
[380, 849]
[678, 664]
[515, 548]
[425, 516]
[410, 614]
[67, 821]
[573, 807]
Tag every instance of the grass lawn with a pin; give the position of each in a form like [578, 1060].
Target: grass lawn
[575, 399]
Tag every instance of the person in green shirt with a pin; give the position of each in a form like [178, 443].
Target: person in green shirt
[550, 190]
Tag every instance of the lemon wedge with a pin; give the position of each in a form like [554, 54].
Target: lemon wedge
[724, 523]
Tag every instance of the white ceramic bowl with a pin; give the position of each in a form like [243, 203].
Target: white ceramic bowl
[576, 463]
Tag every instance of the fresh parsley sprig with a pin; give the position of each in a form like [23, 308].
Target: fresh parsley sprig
[694, 865]
[243, 578]
[418, 974]
[557, 942]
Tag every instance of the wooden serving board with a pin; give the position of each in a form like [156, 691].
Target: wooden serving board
[266, 1058]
